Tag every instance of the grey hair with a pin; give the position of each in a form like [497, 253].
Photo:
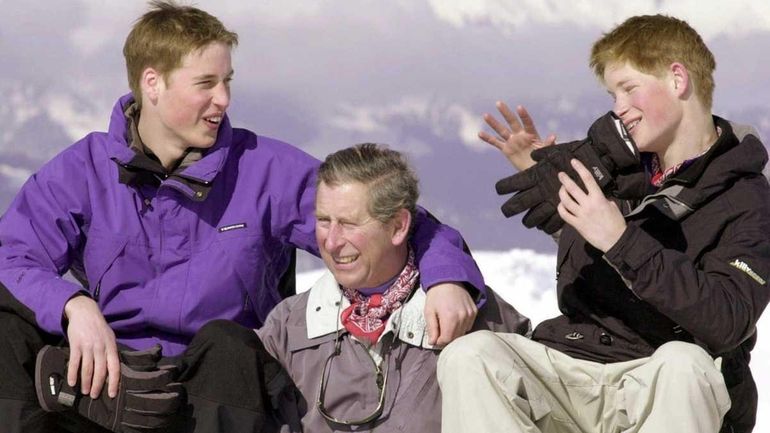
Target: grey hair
[392, 183]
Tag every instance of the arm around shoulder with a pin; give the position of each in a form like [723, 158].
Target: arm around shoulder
[442, 256]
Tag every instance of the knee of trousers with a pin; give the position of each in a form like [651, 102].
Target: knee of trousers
[225, 333]
[223, 364]
[19, 338]
[229, 341]
[19, 342]
[681, 359]
[470, 354]
[220, 343]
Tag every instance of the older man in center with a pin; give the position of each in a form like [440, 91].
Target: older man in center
[356, 344]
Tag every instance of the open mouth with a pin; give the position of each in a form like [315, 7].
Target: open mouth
[346, 260]
[213, 120]
[632, 125]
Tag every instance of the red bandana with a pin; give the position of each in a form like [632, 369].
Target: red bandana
[366, 316]
[659, 176]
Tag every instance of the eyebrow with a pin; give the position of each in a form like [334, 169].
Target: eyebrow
[213, 76]
[619, 84]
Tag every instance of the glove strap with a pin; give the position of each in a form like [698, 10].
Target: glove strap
[624, 135]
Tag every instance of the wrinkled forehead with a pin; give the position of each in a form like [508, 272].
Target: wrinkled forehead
[343, 198]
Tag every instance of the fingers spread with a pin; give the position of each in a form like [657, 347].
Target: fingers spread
[509, 116]
[494, 141]
[526, 120]
[499, 128]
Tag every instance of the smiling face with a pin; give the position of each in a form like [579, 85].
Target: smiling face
[359, 250]
[189, 103]
[647, 105]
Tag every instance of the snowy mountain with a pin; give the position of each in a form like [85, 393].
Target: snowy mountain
[526, 279]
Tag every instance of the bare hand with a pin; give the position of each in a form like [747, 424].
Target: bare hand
[514, 140]
[597, 219]
[449, 312]
[92, 348]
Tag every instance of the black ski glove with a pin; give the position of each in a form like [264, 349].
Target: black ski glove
[608, 153]
[536, 186]
[148, 397]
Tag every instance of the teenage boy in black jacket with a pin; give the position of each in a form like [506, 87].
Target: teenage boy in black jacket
[659, 294]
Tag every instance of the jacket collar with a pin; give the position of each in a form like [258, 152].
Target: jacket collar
[725, 142]
[325, 302]
[194, 180]
[731, 157]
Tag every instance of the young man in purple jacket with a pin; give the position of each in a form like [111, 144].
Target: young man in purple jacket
[170, 220]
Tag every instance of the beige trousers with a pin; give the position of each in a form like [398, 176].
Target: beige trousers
[493, 382]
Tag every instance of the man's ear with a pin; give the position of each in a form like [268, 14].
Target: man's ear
[680, 80]
[400, 229]
[150, 82]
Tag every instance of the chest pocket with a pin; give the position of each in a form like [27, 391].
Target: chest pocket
[251, 262]
[224, 277]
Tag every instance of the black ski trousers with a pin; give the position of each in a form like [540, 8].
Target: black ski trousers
[225, 371]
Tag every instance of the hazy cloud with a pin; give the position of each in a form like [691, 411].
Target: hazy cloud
[710, 18]
[14, 175]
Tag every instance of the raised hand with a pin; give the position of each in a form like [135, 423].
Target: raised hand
[517, 137]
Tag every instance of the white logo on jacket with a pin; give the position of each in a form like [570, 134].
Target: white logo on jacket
[740, 264]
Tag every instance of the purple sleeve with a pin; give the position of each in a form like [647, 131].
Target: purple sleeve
[38, 234]
[293, 184]
[442, 257]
